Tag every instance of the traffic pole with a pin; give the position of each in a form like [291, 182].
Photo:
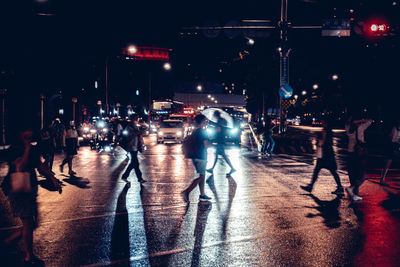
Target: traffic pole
[149, 115]
[284, 60]
[41, 111]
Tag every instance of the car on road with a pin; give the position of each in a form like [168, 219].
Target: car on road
[171, 131]
[231, 135]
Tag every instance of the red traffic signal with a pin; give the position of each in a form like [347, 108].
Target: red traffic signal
[378, 28]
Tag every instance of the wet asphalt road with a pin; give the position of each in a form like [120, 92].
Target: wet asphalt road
[258, 217]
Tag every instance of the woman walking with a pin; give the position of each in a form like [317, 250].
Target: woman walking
[326, 159]
[357, 155]
[23, 159]
[70, 143]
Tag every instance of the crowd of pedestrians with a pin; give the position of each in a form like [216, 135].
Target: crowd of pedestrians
[23, 159]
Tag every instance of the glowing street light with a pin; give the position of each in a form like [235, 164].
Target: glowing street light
[209, 96]
[199, 87]
[216, 102]
[335, 77]
[250, 41]
[132, 49]
[315, 86]
[296, 96]
[304, 92]
[212, 98]
[167, 66]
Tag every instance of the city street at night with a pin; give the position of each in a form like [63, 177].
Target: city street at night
[257, 217]
[199, 133]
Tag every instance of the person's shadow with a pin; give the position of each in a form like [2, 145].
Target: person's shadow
[329, 210]
[120, 246]
[211, 185]
[78, 181]
[203, 209]
[225, 217]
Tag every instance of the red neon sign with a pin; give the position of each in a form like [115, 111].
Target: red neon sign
[148, 53]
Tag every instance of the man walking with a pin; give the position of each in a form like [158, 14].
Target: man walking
[133, 136]
[199, 145]
[220, 150]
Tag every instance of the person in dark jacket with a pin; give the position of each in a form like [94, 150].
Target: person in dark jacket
[134, 144]
[199, 159]
[326, 159]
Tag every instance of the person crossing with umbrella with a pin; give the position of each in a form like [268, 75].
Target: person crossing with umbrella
[221, 127]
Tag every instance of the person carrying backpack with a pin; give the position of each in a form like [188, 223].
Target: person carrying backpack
[195, 147]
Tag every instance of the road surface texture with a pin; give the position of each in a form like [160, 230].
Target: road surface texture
[257, 217]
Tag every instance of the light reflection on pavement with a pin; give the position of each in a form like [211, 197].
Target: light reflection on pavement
[258, 217]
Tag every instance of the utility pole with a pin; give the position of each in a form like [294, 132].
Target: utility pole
[74, 101]
[107, 61]
[148, 115]
[283, 49]
[284, 60]
[41, 111]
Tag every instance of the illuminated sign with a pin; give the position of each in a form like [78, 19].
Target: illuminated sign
[148, 53]
[161, 112]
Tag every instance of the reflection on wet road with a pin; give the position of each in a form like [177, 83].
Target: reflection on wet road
[257, 217]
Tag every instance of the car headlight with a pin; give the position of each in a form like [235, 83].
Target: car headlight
[93, 131]
[160, 133]
[179, 133]
[234, 131]
[105, 130]
[86, 129]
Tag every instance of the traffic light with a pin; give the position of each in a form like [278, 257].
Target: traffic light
[376, 27]
[373, 28]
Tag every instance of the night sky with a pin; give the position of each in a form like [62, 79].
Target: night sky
[53, 46]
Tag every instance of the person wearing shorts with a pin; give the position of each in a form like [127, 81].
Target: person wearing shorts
[199, 159]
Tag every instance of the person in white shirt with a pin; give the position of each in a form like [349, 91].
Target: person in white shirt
[394, 151]
[70, 143]
[356, 163]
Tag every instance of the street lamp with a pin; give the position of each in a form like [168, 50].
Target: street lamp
[335, 77]
[74, 101]
[296, 96]
[132, 50]
[199, 88]
[167, 66]
[304, 92]
[250, 41]
[99, 104]
[209, 96]
[315, 86]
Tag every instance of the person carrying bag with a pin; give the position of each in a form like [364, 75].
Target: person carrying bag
[21, 187]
